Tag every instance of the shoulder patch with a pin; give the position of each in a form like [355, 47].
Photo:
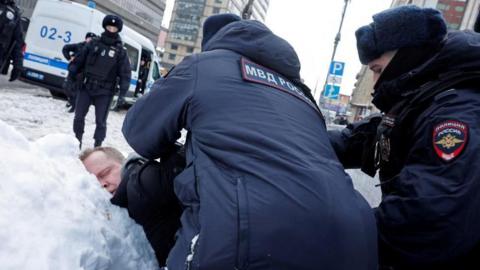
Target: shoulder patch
[256, 73]
[449, 139]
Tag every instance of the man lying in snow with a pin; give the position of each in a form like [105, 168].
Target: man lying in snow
[145, 188]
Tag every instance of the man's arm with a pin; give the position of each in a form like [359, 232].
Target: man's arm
[153, 124]
[70, 49]
[79, 62]
[433, 213]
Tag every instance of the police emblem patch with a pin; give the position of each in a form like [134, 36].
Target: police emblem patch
[449, 139]
[111, 53]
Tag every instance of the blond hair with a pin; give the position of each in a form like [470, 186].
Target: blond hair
[111, 153]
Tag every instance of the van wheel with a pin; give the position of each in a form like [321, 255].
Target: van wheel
[57, 94]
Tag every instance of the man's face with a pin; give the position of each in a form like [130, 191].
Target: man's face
[88, 39]
[378, 65]
[111, 29]
[105, 169]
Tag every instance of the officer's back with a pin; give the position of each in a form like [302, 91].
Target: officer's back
[266, 198]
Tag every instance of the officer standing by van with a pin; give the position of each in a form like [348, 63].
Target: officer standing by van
[105, 64]
[69, 51]
[11, 38]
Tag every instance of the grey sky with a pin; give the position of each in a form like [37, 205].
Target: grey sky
[311, 25]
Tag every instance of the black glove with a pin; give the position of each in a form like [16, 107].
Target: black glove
[15, 74]
[364, 133]
[355, 144]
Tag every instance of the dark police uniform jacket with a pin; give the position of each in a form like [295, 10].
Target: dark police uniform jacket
[105, 64]
[427, 152]
[11, 37]
[146, 190]
[262, 188]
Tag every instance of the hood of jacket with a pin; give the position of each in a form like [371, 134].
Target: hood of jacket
[459, 52]
[255, 41]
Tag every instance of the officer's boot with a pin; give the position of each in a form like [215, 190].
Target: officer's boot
[97, 143]
[79, 138]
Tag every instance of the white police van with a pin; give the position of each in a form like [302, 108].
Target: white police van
[55, 23]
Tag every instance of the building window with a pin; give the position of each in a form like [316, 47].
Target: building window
[190, 49]
[453, 11]
[216, 10]
[172, 56]
[174, 46]
[218, 1]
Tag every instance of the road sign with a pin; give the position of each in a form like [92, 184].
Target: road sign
[332, 79]
[336, 68]
[331, 91]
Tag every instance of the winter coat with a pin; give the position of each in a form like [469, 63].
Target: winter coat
[146, 190]
[428, 154]
[262, 188]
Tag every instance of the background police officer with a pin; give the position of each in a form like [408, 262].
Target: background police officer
[69, 51]
[11, 38]
[105, 64]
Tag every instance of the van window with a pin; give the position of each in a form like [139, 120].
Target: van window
[133, 55]
[155, 71]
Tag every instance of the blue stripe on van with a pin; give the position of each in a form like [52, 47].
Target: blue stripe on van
[46, 61]
[54, 63]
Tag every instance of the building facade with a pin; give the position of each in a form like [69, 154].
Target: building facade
[143, 16]
[459, 15]
[185, 31]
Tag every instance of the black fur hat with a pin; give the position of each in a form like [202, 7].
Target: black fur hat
[112, 20]
[396, 28]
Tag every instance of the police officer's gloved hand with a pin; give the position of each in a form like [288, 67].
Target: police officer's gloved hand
[15, 74]
[367, 126]
[364, 134]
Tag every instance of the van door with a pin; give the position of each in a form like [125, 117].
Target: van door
[154, 75]
[133, 51]
[53, 25]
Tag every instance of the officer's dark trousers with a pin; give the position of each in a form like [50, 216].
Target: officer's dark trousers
[101, 103]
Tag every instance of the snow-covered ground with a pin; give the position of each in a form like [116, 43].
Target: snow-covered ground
[54, 215]
[35, 113]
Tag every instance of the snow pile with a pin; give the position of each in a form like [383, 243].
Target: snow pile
[54, 215]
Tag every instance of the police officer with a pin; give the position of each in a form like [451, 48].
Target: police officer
[105, 64]
[11, 38]
[69, 51]
[427, 144]
[142, 78]
[255, 193]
